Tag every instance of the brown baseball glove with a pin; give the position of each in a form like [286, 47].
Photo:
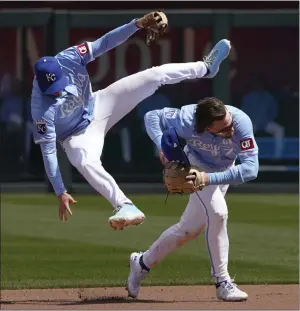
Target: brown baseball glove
[174, 176]
[155, 24]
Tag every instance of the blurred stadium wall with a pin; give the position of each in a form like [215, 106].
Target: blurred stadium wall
[265, 53]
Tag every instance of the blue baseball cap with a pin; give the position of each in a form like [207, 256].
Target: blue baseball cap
[49, 75]
[172, 148]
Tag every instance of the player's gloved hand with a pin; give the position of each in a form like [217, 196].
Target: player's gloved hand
[155, 23]
[64, 209]
[182, 179]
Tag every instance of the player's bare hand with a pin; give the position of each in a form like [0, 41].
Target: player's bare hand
[162, 158]
[204, 176]
[190, 177]
[64, 206]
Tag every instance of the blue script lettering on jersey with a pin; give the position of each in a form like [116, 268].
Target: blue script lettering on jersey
[216, 152]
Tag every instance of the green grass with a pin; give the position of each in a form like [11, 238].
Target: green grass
[39, 251]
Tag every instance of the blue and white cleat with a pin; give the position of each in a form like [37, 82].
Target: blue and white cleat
[228, 291]
[126, 215]
[138, 272]
[213, 60]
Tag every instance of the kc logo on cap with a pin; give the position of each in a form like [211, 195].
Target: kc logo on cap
[50, 77]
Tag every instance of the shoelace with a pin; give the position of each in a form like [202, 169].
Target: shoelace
[229, 284]
[210, 57]
[232, 281]
[116, 209]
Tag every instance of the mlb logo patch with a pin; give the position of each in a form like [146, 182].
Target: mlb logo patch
[82, 49]
[171, 114]
[41, 126]
[247, 144]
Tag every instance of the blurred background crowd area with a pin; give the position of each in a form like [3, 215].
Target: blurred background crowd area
[263, 81]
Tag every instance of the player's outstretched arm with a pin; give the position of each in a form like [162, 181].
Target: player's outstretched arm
[88, 51]
[52, 169]
[113, 38]
[154, 23]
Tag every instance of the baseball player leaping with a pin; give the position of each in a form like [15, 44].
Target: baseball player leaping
[65, 109]
[215, 135]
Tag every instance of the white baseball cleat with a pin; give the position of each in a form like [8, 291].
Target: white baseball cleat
[136, 275]
[126, 215]
[229, 291]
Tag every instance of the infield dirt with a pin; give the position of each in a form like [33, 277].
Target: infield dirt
[271, 297]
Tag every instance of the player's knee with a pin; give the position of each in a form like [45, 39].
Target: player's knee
[79, 160]
[80, 164]
[188, 232]
[193, 233]
[218, 217]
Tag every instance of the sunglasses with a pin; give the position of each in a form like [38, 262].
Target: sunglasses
[227, 128]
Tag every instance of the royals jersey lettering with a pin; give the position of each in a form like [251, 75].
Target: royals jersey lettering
[219, 153]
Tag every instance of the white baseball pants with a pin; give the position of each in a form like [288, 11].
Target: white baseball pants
[111, 105]
[206, 208]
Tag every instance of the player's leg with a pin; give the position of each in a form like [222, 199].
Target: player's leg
[84, 150]
[191, 224]
[189, 227]
[213, 203]
[206, 206]
[118, 99]
[114, 102]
